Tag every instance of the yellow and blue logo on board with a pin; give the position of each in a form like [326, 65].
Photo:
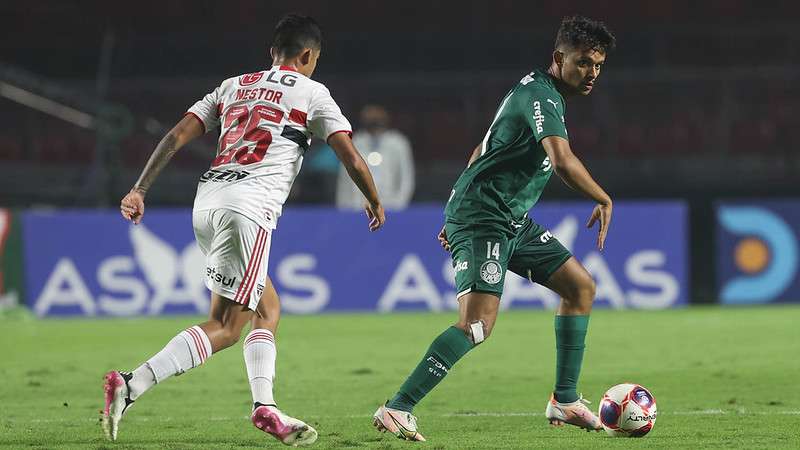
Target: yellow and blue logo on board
[757, 252]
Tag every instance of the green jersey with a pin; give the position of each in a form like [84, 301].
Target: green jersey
[513, 168]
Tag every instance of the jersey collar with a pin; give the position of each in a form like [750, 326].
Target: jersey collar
[288, 68]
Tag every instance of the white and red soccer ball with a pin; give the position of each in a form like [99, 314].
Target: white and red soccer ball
[628, 410]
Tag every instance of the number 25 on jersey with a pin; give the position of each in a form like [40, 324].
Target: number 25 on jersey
[248, 129]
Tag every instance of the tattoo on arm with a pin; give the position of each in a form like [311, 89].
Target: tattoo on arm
[160, 157]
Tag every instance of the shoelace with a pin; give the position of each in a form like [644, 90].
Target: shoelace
[585, 414]
[412, 421]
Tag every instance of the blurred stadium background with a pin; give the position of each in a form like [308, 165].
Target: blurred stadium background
[692, 129]
[696, 105]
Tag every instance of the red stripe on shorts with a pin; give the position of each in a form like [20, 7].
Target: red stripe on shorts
[253, 275]
[250, 262]
[256, 268]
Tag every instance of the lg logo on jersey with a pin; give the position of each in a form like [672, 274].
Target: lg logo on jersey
[286, 79]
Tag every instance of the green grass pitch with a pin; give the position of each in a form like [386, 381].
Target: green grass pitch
[723, 378]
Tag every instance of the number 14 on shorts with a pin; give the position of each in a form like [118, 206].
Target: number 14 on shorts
[492, 250]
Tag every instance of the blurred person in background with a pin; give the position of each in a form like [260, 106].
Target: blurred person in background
[388, 153]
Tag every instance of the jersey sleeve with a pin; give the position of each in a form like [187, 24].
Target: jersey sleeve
[544, 113]
[324, 116]
[207, 110]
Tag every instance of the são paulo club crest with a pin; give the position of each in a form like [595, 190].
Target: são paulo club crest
[491, 272]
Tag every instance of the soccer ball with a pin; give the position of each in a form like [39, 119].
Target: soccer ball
[628, 410]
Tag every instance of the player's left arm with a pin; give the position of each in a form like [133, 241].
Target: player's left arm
[476, 153]
[359, 172]
[575, 175]
[442, 236]
[326, 119]
[132, 205]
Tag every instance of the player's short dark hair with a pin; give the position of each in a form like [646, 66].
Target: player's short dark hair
[583, 33]
[293, 33]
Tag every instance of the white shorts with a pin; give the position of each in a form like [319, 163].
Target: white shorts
[237, 254]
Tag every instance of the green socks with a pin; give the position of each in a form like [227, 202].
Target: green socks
[453, 344]
[570, 337]
[443, 353]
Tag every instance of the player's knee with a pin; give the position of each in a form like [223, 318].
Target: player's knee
[585, 292]
[477, 331]
[582, 293]
[588, 291]
[229, 337]
[269, 323]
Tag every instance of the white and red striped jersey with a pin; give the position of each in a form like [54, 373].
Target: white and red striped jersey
[266, 123]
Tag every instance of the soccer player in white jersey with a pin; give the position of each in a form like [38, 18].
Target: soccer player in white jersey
[266, 120]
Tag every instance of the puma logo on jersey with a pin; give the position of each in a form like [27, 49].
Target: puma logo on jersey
[555, 104]
[226, 175]
[537, 116]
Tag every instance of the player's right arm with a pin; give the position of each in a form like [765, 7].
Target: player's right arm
[358, 171]
[575, 175]
[132, 205]
[545, 115]
[201, 117]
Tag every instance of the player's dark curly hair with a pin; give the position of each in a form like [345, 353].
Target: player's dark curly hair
[583, 33]
[295, 33]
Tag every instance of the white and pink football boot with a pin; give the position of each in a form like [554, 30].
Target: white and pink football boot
[575, 413]
[117, 399]
[288, 430]
[400, 423]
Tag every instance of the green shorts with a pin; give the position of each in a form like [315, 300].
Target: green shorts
[482, 254]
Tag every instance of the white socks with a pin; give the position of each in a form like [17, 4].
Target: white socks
[259, 357]
[187, 350]
[143, 379]
[191, 347]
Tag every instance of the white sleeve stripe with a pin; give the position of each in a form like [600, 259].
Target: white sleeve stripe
[349, 133]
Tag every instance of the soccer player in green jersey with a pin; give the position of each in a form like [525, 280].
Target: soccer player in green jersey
[487, 229]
